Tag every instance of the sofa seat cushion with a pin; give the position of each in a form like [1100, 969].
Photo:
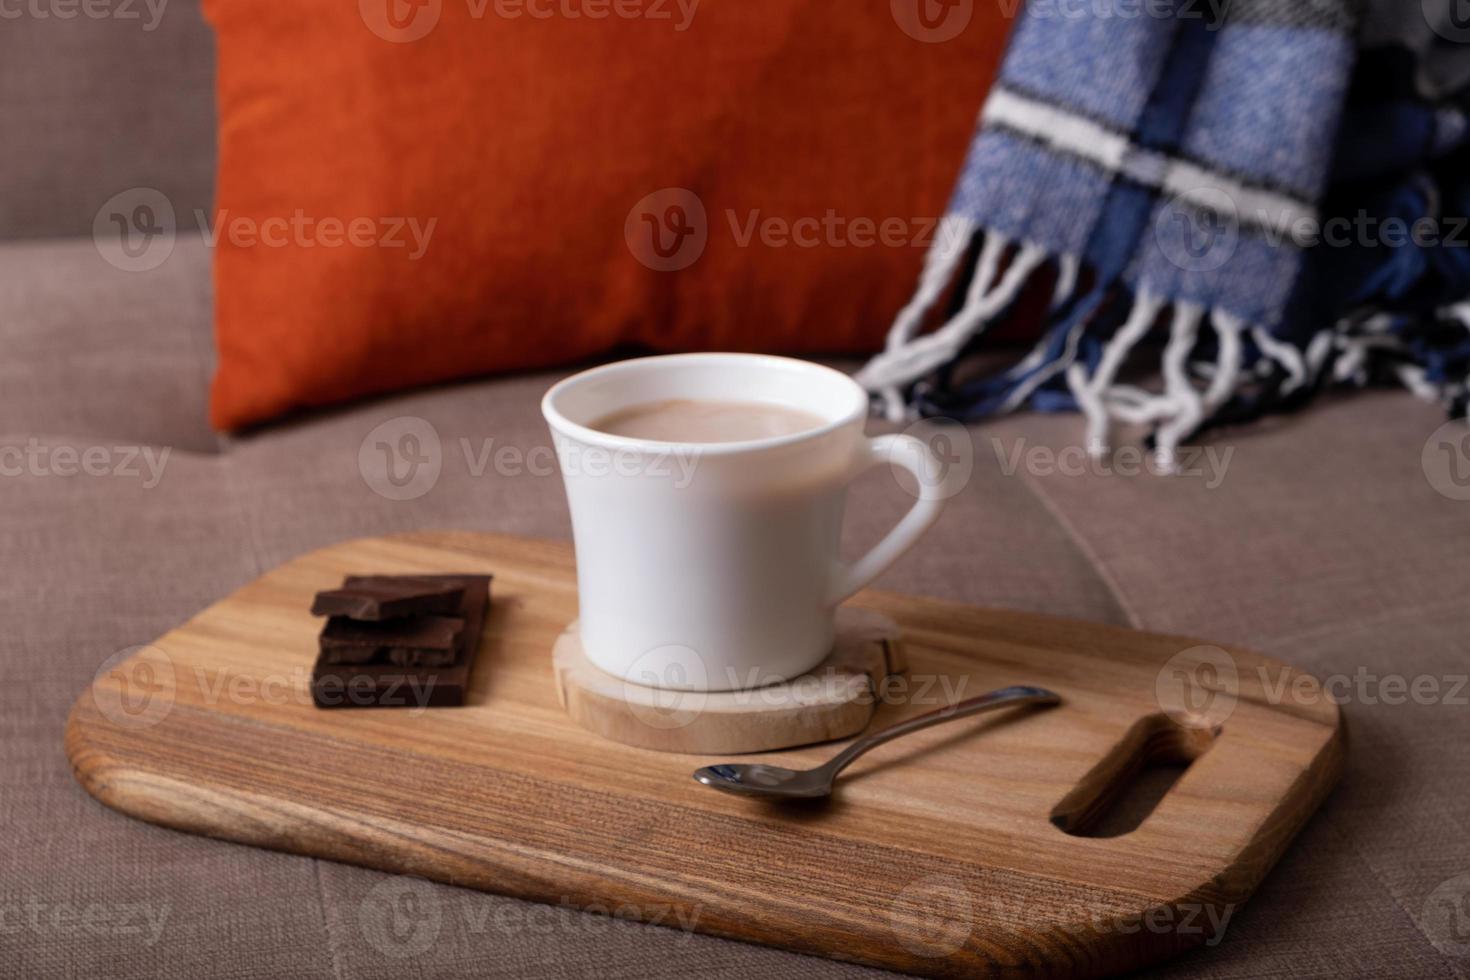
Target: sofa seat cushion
[1321, 543]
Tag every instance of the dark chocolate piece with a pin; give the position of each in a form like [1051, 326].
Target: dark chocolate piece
[373, 598]
[399, 686]
[423, 640]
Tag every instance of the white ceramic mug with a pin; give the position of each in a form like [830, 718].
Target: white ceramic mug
[714, 567]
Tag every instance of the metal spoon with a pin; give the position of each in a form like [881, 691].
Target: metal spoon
[773, 782]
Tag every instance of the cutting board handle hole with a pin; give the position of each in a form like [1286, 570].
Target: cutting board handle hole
[1118, 794]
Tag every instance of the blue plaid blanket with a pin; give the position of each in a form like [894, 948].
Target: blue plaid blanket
[1268, 197]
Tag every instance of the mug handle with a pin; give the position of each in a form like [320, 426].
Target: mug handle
[913, 455]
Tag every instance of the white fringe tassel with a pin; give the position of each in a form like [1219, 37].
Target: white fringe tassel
[907, 358]
[1090, 392]
[1179, 409]
[1068, 358]
[951, 243]
[1185, 406]
[1228, 331]
[1068, 269]
[1284, 354]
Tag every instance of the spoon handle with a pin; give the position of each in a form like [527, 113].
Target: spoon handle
[1002, 698]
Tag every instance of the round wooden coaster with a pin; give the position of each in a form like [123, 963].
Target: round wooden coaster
[835, 700]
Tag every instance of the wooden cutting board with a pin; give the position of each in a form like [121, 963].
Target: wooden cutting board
[960, 850]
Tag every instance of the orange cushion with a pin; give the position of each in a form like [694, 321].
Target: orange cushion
[395, 211]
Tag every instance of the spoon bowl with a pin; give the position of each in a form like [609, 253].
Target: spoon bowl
[762, 780]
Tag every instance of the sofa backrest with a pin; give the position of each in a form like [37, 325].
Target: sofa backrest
[98, 97]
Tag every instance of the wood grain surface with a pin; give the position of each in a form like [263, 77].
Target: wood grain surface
[966, 849]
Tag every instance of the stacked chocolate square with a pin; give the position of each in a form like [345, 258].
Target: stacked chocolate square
[399, 640]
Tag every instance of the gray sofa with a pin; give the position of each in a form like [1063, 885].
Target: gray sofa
[1324, 543]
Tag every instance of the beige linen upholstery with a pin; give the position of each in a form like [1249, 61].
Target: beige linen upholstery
[1324, 545]
[97, 98]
